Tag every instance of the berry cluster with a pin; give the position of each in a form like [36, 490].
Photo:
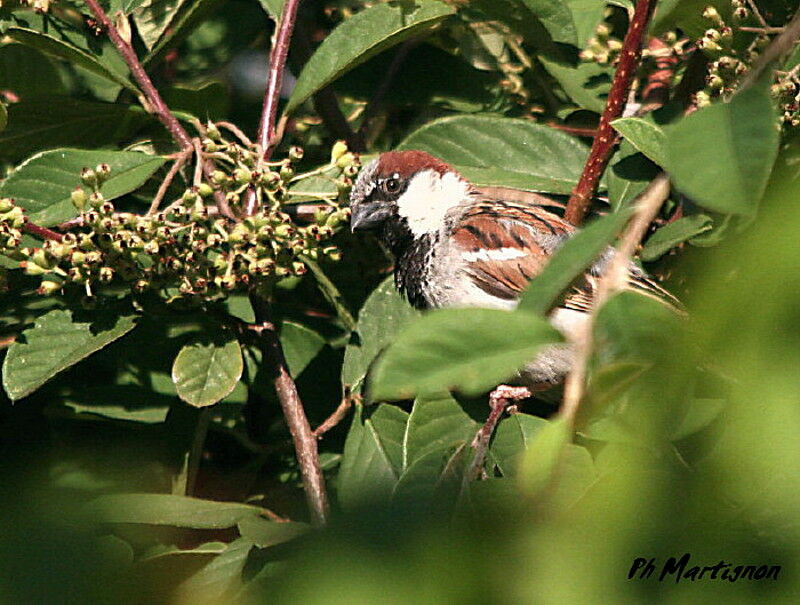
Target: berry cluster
[732, 60]
[602, 48]
[187, 250]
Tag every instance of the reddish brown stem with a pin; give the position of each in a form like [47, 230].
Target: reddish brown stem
[338, 415]
[277, 64]
[656, 91]
[157, 105]
[42, 232]
[269, 111]
[305, 443]
[606, 138]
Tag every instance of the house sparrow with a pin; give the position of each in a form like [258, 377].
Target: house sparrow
[458, 246]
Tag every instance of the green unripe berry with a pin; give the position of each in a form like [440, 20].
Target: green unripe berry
[338, 150]
[205, 190]
[48, 287]
[242, 176]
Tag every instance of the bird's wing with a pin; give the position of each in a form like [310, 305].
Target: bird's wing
[504, 245]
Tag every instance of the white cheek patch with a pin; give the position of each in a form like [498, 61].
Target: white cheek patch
[428, 198]
[499, 254]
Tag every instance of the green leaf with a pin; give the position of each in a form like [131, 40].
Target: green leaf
[587, 84]
[43, 183]
[513, 436]
[470, 350]
[586, 14]
[435, 425]
[722, 155]
[3, 117]
[490, 150]
[669, 236]
[220, 579]
[645, 135]
[154, 17]
[263, 532]
[332, 295]
[54, 343]
[381, 318]
[128, 6]
[366, 471]
[274, 8]
[542, 456]
[571, 260]
[168, 509]
[629, 174]
[64, 49]
[205, 372]
[48, 122]
[169, 22]
[300, 346]
[27, 72]
[361, 37]
[556, 18]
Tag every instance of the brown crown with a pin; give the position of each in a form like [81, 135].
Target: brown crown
[408, 163]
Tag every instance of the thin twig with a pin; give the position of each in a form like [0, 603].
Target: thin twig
[7, 341]
[237, 132]
[42, 232]
[614, 279]
[656, 92]
[277, 64]
[162, 189]
[606, 138]
[269, 111]
[154, 100]
[305, 443]
[779, 46]
[499, 400]
[338, 415]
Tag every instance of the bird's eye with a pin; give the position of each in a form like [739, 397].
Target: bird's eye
[391, 185]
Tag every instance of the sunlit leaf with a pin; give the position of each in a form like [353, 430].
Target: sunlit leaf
[63, 49]
[42, 184]
[669, 236]
[490, 150]
[362, 36]
[471, 350]
[206, 371]
[573, 257]
[381, 318]
[721, 156]
[645, 135]
[56, 342]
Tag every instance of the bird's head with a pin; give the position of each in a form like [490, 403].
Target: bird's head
[405, 194]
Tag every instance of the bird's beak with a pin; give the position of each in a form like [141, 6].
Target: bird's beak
[366, 216]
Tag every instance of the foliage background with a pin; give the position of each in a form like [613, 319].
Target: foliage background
[116, 488]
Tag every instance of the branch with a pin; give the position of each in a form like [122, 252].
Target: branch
[614, 279]
[779, 46]
[305, 443]
[269, 111]
[157, 105]
[162, 189]
[277, 63]
[42, 232]
[603, 144]
[337, 416]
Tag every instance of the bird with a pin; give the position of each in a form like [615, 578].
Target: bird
[457, 245]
